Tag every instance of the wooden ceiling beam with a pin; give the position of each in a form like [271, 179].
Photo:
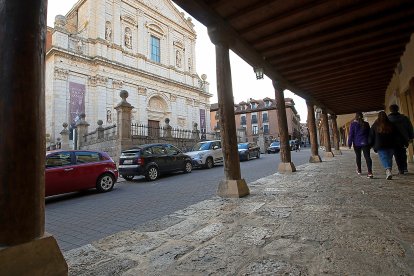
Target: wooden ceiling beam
[248, 10]
[349, 92]
[342, 17]
[383, 36]
[394, 17]
[359, 50]
[352, 76]
[344, 60]
[344, 89]
[343, 69]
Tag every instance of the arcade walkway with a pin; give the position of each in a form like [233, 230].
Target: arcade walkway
[323, 219]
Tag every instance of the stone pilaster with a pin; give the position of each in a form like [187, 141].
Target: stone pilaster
[64, 134]
[100, 130]
[81, 129]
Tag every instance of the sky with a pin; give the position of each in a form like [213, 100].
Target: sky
[245, 85]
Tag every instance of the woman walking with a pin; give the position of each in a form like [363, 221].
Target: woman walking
[358, 136]
[384, 137]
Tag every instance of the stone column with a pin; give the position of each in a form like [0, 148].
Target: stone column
[25, 248]
[335, 132]
[100, 130]
[285, 164]
[124, 110]
[233, 185]
[326, 135]
[315, 158]
[82, 130]
[64, 134]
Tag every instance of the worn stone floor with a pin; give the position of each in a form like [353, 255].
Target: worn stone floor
[322, 220]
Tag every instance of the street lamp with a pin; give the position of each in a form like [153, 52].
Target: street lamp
[259, 72]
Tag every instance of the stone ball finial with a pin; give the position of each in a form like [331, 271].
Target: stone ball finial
[82, 116]
[123, 94]
[167, 121]
[65, 125]
[60, 21]
[204, 77]
[195, 124]
[58, 139]
[99, 122]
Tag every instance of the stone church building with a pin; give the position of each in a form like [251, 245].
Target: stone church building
[146, 47]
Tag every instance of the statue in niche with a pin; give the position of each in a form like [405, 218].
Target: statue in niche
[108, 31]
[128, 38]
[178, 58]
[108, 116]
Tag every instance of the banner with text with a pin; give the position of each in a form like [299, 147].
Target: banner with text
[77, 101]
[203, 129]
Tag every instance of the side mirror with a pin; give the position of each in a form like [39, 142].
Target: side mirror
[215, 147]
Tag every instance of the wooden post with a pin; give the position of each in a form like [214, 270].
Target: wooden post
[328, 149]
[315, 158]
[335, 131]
[233, 185]
[285, 164]
[25, 249]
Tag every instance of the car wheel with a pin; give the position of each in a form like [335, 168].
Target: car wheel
[152, 173]
[209, 163]
[128, 177]
[188, 167]
[268, 152]
[258, 154]
[105, 183]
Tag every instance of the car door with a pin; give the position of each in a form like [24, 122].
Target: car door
[175, 158]
[217, 153]
[59, 173]
[159, 156]
[87, 168]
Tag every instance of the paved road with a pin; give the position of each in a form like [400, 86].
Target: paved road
[77, 219]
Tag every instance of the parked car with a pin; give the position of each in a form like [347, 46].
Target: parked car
[152, 160]
[248, 150]
[274, 147]
[293, 144]
[206, 154]
[75, 170]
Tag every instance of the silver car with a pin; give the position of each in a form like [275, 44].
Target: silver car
[206, 154]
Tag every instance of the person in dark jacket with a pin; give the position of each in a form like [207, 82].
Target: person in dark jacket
[404, 126]
[358, 136]
[384, 138]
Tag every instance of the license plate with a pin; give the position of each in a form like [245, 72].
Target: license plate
[127, 161]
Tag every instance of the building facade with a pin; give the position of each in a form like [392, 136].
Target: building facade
[255, 116]
[145, 47]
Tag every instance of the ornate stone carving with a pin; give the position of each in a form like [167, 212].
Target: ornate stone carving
[128, 38]
[178, 58]
[61, 74]
[108, 31]
[189, 101]
[142, 90]
[98, 80]
[117, 84]
[157, 104]
[181, 122]
[173, 98]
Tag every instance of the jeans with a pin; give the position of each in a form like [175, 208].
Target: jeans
[400, 155]
[385, 156]
[367, 156]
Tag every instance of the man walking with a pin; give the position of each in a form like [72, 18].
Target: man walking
[405, 128]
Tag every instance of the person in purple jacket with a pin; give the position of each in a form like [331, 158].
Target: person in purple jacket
[358, 136]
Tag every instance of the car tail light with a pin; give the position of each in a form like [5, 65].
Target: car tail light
[140, 161]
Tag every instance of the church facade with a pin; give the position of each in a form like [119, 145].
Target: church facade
[146, 47]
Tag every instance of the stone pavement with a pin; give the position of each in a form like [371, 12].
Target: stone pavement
[321, 220]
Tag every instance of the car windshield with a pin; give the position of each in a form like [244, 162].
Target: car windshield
[243, 146]
[201, 146]
[274, 144]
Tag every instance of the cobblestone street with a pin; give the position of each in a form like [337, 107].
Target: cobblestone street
[324, 219]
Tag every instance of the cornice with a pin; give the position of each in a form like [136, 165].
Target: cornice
[121, 67]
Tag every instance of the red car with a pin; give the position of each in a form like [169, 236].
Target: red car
[75, 170]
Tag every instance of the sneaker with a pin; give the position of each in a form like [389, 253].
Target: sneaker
[388, 174]
[405, 171]
[358, 172]
[370, 175]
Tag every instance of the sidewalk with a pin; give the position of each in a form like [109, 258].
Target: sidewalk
[322, 220]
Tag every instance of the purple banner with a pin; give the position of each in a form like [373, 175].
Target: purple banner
[203, 123]
[77, 101]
